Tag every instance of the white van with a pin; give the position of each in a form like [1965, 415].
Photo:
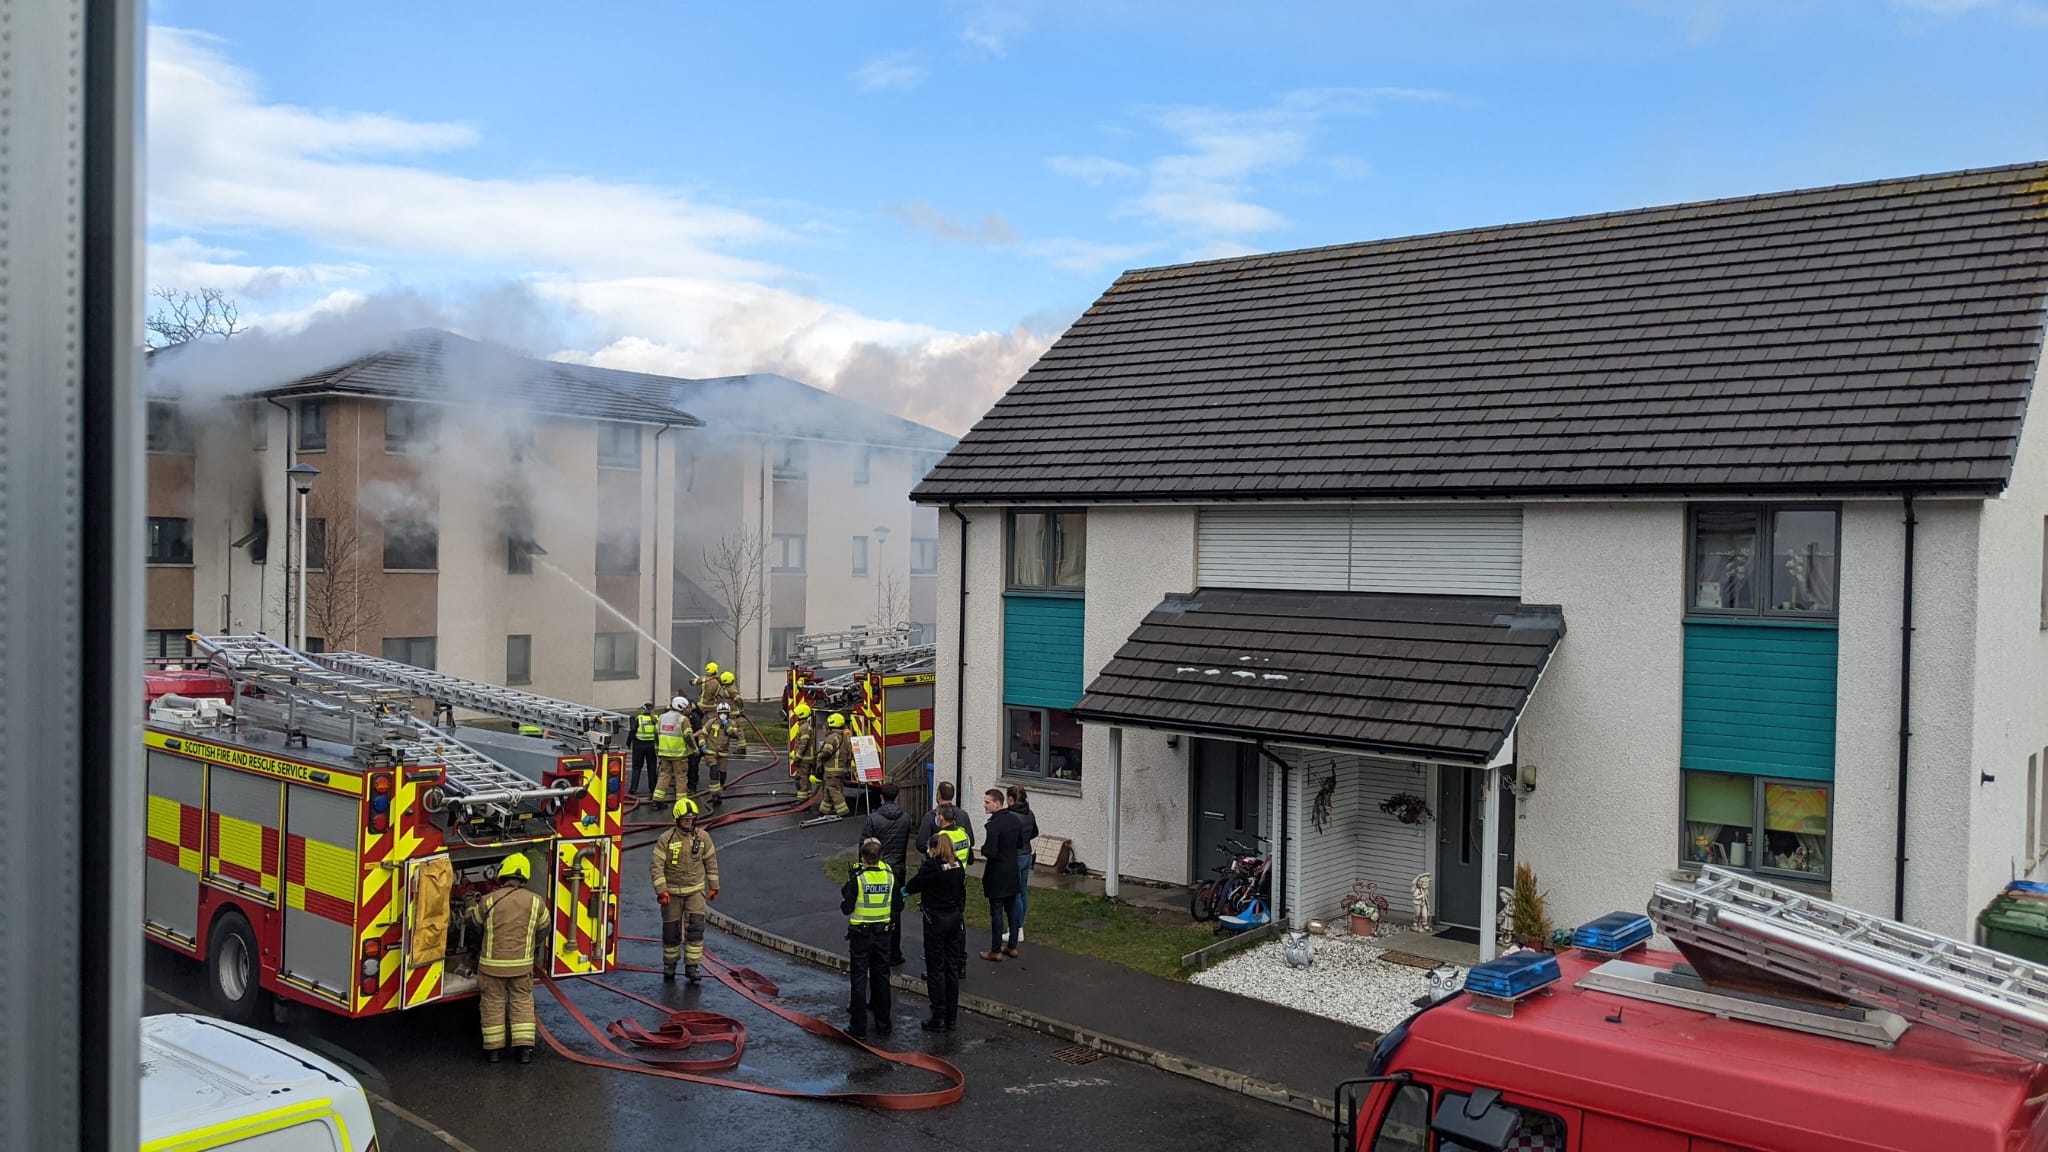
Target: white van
[210, 1084]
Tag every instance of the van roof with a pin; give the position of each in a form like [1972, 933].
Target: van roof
[198, 1071]
[1730, 1080]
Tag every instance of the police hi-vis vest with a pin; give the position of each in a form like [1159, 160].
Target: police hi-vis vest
[875, 902]
[645, 726]
[961, 850]
[672, 737]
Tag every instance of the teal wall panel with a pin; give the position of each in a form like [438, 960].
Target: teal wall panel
[1042, 650]
[1760, 699]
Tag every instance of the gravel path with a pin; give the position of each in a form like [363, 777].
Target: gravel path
[1347, 982]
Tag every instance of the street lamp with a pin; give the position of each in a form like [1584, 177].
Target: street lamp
[881, 532]
[301, 478]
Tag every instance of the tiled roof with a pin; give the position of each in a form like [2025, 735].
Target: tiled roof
[1436, 676]
[1866, 337]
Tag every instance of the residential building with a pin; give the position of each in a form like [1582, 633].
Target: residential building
[486, 514]
[1626, 543]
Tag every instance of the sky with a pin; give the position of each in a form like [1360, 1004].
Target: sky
[907, 202]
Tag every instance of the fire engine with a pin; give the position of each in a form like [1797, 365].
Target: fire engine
[1792, 1024]
[888, 692]
[311, 838]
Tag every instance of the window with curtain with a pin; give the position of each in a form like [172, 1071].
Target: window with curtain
[1043, 743]
[1765, 560]
[1048, 551]
[1757, 823]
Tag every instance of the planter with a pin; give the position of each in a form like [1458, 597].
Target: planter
[1364, 926]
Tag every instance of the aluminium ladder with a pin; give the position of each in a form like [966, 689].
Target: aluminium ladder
[1973, 992]
[849, 645]
[559, 717]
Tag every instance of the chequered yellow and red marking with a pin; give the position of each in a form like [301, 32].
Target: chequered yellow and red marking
[911, 726]
[587, 814]
[867, 720]
[580, 900]
[243, 851]
[320, 878]
[174, 833]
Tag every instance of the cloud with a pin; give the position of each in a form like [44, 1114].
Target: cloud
[991, 27]
[991, 230]
[1086, 256]
[185, 263]
[892, 73]
[1093, 170]
[2014, 10]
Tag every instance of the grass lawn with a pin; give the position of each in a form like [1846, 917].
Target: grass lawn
[1147, 940]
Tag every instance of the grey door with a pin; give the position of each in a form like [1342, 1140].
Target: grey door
[1457, 845]
[1226, 780]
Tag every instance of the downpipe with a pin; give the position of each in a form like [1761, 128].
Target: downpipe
[960, 669]
[1905, 712]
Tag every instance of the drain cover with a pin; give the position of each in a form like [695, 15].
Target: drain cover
[1078, 1054]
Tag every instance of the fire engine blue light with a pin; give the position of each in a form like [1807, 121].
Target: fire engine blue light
[1512, 976]
[380, 803]
[1614, 932]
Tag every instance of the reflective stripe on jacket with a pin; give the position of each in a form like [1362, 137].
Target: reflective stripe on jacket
[512, 919]
[672, 736]
[645, 725]
[876, 902]
[963, 852]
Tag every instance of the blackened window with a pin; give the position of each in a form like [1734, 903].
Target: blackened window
[170, 540]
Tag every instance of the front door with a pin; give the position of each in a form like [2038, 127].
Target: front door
[1457, 844]
[1226, 779]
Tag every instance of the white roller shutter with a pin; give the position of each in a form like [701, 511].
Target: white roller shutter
[1467, 550]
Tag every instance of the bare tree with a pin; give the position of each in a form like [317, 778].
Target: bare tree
[892, 603]
[180, 316]
[733, 571]
[341, 596]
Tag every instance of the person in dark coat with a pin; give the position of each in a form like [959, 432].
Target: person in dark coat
[929, 826]
[890, 824]
[1001, 841]
[941, 886]
[1020, 807]
[868, 900]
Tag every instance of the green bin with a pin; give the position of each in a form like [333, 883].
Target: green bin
[2016, 926]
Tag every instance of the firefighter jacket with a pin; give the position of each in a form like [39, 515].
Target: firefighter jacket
[685, 866]
[672, 735]
[645, 727]
[836, 753]
[803, 741]
[514, 923]
[717, 736]
[711, 693]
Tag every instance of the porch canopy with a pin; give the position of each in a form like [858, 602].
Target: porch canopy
[1439, 678]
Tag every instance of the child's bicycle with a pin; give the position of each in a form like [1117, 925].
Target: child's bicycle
[1226, 891]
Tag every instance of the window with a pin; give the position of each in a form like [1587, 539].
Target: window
[168, 431]
[1043, 742]
[519, 659]
[1754, 822]
[792, 460]
[2033, 840]
[417, 651]
[411, 427]
[1405, 1128]
[257, 538]
[170, 540]
[618, 553]
[256, 425]
[316, 644]
[618, 445]
[411, 545]
[786, 553]
[863, 467]
[1048, 551]
[1731, 576]
[616, 657]
[316, 543]
[167, 644]
[860, 555]
[518, 556]
[924, 555]
[312, 425]
[779, 642]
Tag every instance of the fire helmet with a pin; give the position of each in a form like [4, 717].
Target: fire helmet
[803, 709]
[515, 867]
[711, 669]
[837, 721]
[685, 807]
[725, 678]
[724, 709]
[678, 703]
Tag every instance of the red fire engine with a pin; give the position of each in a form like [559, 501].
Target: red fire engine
[310, 838]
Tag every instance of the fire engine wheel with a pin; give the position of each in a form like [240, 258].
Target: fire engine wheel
[232, 981]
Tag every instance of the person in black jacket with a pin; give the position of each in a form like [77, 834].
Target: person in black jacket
[890, 824]
[1001, 841]
[1020, 807]
[868, 899]
[942, 889]
[929, 826]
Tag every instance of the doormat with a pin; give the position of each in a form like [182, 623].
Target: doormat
[1461, 935]
[1409, 959]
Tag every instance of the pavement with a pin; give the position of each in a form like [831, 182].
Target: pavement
[773, 880]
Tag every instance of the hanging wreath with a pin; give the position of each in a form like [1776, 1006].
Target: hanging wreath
[1326, 804]
[1407, 807]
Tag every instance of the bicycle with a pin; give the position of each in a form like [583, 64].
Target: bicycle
[1215, 895]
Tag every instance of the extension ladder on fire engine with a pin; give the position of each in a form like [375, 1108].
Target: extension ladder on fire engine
[1973, 992]
[844, 647]
[886, 662]
[556, 716]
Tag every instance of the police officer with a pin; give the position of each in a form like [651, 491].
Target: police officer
[646, 723]
[716, 741]
[835, 756]
[513, 922]
[803, 750]
[685, 869]
[868, 898]
[941, 886]
[963, 843]
[673, 745]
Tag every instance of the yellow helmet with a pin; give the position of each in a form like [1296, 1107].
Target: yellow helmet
[837, 721]
[515, 865]
[725, 678]
[711, 669]
[803, 709]
[685, 807]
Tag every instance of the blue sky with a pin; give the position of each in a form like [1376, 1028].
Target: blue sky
[906, 202]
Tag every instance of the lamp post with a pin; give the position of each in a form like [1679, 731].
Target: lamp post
[881, 532]
[301, 478]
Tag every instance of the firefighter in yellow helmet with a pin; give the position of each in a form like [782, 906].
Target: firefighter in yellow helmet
[729, 693]
[673, 746]
[685, 869]
[716, 740]
[835, 756]
[709, 691]
[515, 928]
[803, 749]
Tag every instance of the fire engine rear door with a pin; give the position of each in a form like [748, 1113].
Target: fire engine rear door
[582, 905]
[429, 885]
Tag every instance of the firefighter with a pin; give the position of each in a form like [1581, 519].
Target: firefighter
[803, 750]
[673, 745]
[709, 693]
[716, 741]
[514, 924]
[729, 693]
[685, 881]
[868, 899]
[646, 730]
[836, 757]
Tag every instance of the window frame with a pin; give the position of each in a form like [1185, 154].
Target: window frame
[863, 467]
[434, 547]
[518, 555]
[607, 643]
[860, 555]
[779, 640]
[173, 559]
[792, 460]
[610, 550]
[1757, 832]
[919, 545]
[1049, 544]
[156, 644]
[1043, 774]
[311, 425]
[610, 433]
[778, 557]
[412, 644]
[166, 431]
[1766, 531]
[316, 532]
[422, 423]
[256, 425]
[521, 673]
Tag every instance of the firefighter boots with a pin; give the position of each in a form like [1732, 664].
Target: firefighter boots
[691, 974]
[493, 1055]
[525, 1055]
[668, 973]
